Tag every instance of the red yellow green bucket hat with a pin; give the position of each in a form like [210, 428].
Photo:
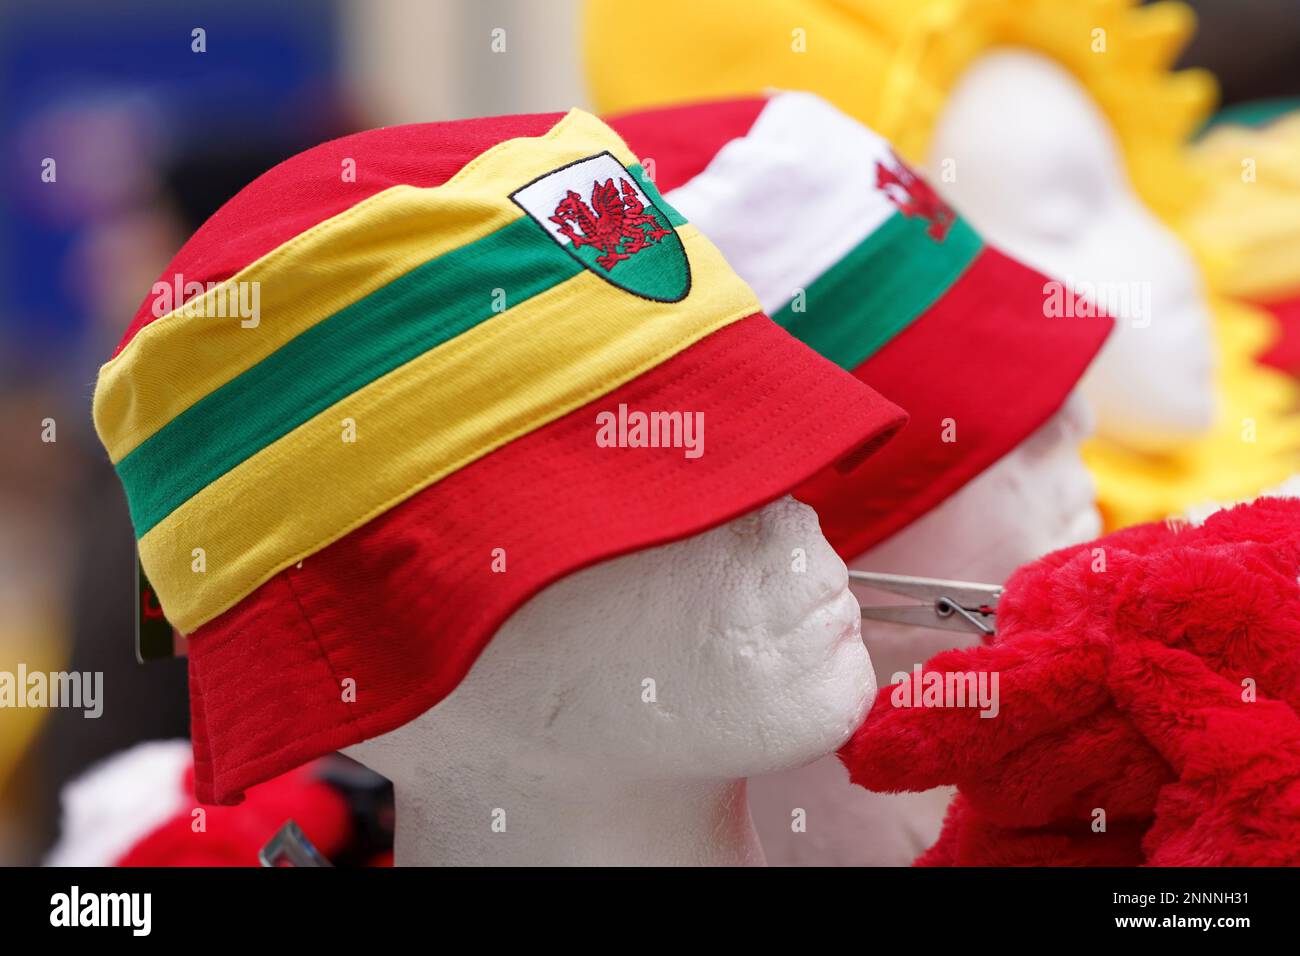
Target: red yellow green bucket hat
[859, 257]
[357, 418]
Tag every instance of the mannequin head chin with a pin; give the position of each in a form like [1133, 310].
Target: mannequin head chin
[1025, 153]
[734, 652]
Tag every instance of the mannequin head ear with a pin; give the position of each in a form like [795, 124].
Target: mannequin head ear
[1023, 150]
[733, 652]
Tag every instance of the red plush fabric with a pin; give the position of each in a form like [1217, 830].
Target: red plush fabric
[1124, 686]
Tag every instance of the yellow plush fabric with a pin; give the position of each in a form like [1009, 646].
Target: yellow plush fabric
[1250, 217]
[1254, 443]
[892, 63]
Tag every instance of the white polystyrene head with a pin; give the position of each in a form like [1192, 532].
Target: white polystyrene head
[747, 631]
[1027, 156]
[1035, 499]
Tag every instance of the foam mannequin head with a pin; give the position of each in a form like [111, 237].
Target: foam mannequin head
[614, 717]
[1035, 499]
[1021, 148]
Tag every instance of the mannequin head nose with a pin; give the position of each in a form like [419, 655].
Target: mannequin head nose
[1078, 417]
[783, 515]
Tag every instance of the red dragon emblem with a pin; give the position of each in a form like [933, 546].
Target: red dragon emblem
[914, 197]
[616, 223]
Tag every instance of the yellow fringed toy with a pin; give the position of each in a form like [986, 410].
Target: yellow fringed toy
[1250, 449]
[1251, 212]
[1250, 218]
[896, 64]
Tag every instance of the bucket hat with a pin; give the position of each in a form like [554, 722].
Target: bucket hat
[358, 419]
[856, 255]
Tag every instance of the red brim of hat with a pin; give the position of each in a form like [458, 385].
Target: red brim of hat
[404, 605]
[985, 357]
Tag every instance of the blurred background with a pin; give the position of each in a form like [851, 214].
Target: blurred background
[150, 136]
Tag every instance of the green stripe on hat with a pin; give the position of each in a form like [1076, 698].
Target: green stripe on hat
[878, 288]
[334, 358]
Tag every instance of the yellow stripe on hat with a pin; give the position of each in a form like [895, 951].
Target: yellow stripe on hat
[176, 360]
[530, 365]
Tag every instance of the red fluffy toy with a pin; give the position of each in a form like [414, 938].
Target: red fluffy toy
[1149, 693]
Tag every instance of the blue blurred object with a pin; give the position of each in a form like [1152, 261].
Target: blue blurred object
[114, 93]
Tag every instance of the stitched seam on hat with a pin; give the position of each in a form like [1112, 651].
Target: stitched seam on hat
[216, 672]
[311, 629]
